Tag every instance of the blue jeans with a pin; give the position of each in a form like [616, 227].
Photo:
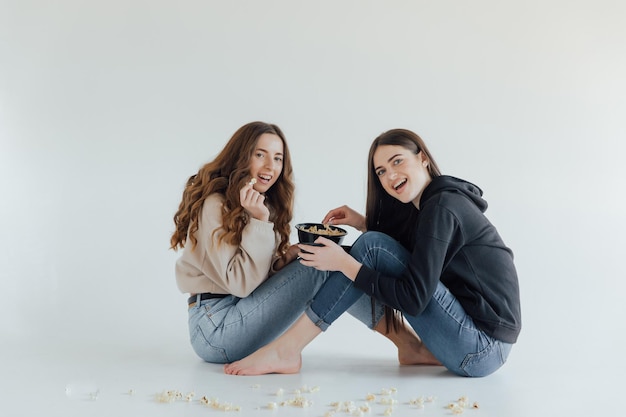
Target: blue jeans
[444, 326]
[223, 330]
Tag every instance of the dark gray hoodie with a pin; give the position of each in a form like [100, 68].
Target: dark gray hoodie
[453, 242]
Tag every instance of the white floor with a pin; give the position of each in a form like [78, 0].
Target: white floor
[50, 377]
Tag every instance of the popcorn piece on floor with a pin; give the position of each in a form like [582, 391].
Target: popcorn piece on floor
[166, 397]
[388, 401]
[419, 402]
[300, 401]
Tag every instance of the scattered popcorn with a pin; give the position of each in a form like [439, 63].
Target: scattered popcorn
[256, 386]
[349, 406]
[300, 401]
[166, 397]
[459, 406]
[131, 392]
[388, 401]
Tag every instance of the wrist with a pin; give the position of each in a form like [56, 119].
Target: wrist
[351, 268]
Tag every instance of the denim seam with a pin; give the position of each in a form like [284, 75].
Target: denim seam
[454, 317]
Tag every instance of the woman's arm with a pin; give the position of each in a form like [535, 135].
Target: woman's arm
[344, 215]
[437, 238]
[238, 270]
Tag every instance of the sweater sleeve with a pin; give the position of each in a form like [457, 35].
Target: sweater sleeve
[411, 291]
[220, 267]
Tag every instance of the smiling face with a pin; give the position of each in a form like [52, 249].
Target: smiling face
[402, 174]
[266, 162]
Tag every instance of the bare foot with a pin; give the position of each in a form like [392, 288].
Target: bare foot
[267, 360]
[411, 350]
[415, 353]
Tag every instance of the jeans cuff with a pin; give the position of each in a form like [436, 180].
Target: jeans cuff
[316, 319]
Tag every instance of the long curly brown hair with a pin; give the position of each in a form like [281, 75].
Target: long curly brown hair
[227, 175]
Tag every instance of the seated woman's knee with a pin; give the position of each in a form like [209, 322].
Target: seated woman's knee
[370, 239]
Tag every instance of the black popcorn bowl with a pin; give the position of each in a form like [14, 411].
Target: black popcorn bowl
[308, 232]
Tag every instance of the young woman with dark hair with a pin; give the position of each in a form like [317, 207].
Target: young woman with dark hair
[429, 253]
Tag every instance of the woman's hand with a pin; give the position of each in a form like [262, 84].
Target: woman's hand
[288, 257]
[345, 215]
[330, 257]
[253, 202]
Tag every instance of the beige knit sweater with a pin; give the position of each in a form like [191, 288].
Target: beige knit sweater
[224, 268]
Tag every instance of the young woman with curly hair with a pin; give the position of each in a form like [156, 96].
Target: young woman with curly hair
[233, 227]
[427, 252]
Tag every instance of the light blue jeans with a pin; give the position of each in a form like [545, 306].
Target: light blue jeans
[223, 330]
[444, 326]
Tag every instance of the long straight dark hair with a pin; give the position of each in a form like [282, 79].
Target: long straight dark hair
[379, 203]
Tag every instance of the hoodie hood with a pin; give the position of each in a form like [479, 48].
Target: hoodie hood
[446, 183]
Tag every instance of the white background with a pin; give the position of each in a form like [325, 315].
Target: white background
[106, 108]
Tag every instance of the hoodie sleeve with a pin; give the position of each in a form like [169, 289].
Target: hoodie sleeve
[412, 291]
